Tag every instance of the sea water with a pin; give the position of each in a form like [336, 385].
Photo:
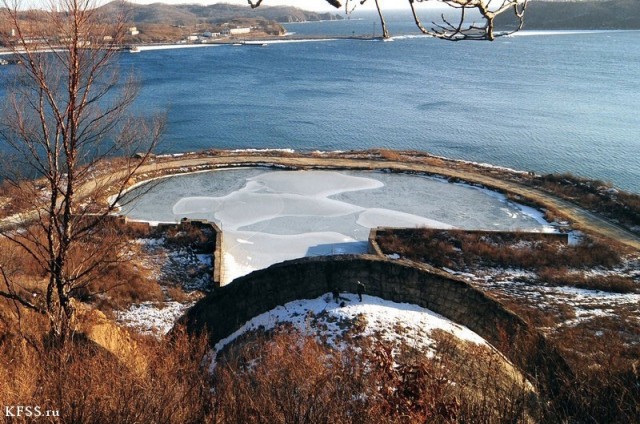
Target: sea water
[546, 102]
[561, 101]
[270, 216]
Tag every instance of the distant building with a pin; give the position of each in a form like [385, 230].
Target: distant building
[236, 31]
[209, 34]
[133, 31]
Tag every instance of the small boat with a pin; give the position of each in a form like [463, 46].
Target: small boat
[133, 49]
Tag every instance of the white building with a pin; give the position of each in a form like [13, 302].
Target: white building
[236, 31]
[133, 31]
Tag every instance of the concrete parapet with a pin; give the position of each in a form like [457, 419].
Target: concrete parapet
[226, 309]
[216, 254]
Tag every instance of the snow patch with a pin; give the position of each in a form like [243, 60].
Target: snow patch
[152, 317]
[324, 318]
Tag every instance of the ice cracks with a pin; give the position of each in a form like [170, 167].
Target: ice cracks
[270, 216]
[278, 216]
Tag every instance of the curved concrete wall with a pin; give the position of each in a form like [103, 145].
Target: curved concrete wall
[229, 307]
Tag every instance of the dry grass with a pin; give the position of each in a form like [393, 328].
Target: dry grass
[89, 385]
[608, 283]
[199, 238]
[114, 282]
[461, 250]
[594, 195]
[290, 378]
[178, 294]
[286, 377]
[602, 352]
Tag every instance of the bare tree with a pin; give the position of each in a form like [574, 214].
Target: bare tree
[66, 113]
[472, 20]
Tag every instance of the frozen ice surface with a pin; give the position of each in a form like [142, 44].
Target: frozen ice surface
[269, 216]
[375, 217]
[314, 183]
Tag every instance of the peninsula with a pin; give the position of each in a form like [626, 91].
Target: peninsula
[502, 312]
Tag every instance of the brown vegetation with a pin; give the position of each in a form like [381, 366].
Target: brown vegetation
[602, 352]
[609, 283]
[87, 384]
[291, 378]
[461, 250]
[115, 284]
[594, 195]
[603, 355]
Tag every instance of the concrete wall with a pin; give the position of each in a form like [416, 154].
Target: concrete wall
[226, 309]
[216, 255]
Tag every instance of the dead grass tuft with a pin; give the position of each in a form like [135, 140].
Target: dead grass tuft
[461, 250]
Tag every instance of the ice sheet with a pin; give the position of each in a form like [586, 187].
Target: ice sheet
[314, 183]
[269, 216]
[245, 207]
[375, 217]
[247, 251]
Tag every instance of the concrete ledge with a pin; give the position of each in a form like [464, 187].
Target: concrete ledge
[216, 255]
[226, 309]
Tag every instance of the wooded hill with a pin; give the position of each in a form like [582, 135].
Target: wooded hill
[189, 14]
[589, 14]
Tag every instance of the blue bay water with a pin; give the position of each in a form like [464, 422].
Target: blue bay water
[564, 102]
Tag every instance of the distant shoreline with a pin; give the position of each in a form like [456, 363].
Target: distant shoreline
[259, 41]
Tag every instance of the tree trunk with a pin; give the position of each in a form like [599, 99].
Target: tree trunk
[383, 24]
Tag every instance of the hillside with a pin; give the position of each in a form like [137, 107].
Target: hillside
[616, 14]
[190, 14]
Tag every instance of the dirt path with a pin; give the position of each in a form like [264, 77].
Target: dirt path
[580, 217]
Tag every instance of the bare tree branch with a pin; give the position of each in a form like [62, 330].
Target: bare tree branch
[448, 30]
[68, 114]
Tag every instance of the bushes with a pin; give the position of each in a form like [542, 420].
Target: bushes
[287, 377]
[89, 385]
[292, 378]
[606, 383]
[463, 250]
[191, 235]
[609, 283]
[594, 195]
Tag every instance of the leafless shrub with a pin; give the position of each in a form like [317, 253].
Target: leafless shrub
[610, 283]
[460, 250]
[473, 20]
[90, 385]
[594, 195]
[291, 378]
[66, 112]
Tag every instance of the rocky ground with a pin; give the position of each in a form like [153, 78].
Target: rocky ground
[184, 275]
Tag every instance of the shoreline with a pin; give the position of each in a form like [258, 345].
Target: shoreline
[518, 186]
[499, 179]
[299, 38]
